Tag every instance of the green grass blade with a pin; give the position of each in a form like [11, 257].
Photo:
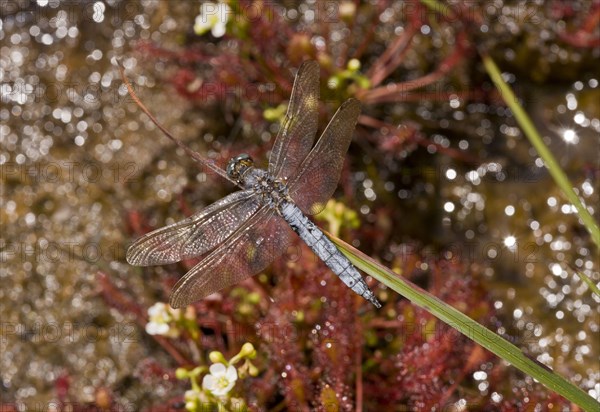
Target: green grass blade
[589, 282]
[536, 140]
[468, 327]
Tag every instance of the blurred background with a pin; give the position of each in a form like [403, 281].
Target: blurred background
[439, 184]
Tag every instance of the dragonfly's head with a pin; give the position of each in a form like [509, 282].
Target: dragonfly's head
[238, 165]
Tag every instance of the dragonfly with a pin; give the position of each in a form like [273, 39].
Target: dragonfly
[242, 233]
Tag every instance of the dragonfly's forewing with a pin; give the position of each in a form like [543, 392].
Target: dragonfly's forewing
[249, 250]
[319, 173]
[297, 132]
[197, 234]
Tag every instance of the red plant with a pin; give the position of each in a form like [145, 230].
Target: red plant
[316, 353]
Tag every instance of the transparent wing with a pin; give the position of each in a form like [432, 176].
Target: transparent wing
[297, 132]
[249, 250]
[195, 235]
[319, 173]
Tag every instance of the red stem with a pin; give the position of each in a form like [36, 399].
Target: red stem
[416, 138]
[359, 376]
[393, 55]
[368, 38]
[393, 92]
[585, 36]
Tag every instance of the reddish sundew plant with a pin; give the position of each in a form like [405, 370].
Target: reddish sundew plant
[301, 340]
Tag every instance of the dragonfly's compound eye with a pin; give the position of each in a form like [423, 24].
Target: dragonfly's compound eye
[238, 165]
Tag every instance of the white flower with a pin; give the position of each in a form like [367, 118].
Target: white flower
[193, 400]
[161, 315]
[213, 17]
[220, 380]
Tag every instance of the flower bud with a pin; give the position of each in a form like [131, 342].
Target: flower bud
[217, 357]
[190, 313]
[252, 370]
[181, 373]
[248, 351]
[347, 10]
[254, 298]
[354, 65]
[299, 46]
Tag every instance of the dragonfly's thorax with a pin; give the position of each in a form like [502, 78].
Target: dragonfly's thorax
[273, 191]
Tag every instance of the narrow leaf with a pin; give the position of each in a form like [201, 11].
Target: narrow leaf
[536, 140]
[468, 327]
